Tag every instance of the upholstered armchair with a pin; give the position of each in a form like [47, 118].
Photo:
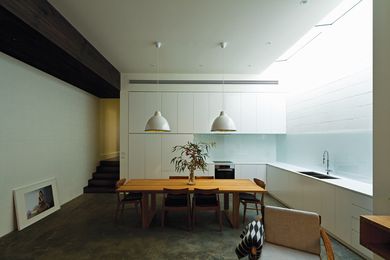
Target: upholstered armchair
[292, 234]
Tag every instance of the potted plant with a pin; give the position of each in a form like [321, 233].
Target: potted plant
[192, 157]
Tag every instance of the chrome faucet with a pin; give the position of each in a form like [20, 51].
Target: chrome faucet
[326, 154]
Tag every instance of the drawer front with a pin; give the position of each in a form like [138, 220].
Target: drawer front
[362, 201]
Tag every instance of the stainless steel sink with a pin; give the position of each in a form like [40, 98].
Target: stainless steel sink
[318, 175]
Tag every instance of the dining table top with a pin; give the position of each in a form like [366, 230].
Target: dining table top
[157, 185]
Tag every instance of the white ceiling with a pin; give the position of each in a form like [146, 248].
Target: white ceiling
[257, 31]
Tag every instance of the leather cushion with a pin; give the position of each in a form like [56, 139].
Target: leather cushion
[272, 251]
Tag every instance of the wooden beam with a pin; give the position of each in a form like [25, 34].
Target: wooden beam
[34, 32]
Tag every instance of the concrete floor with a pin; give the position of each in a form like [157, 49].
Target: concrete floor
[84, 229]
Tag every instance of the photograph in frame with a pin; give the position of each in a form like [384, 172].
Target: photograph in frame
[35, 201]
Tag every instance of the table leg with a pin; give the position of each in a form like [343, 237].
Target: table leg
[145, 210]
[226, 201]
[236, 210]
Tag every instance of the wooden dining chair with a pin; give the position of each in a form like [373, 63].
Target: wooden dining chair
[251, 198]
[204, 177]
[124, 198]
[206, 200]
[176, 200]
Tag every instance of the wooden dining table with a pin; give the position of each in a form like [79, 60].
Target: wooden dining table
[150, 187]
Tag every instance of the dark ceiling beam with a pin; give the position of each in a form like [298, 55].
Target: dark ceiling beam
[34, 32]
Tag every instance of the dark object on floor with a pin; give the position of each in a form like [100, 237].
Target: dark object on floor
[105, 177]
[251, 198]
[252, 239]
[124, 198]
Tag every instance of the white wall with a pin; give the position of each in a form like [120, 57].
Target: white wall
[330, 80]
[381, 107]
[329, 102]
[240, 148]
[48, 128]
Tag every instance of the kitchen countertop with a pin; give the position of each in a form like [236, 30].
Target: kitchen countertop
[357, 186]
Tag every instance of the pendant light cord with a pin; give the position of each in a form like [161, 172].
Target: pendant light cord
[223, 46]
[158, 45]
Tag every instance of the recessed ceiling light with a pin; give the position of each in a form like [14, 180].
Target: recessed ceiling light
[268, 43]
[303, 2]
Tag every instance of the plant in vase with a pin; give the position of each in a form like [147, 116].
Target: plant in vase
[192, 157]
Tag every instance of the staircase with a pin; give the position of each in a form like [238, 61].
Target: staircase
[105, 177]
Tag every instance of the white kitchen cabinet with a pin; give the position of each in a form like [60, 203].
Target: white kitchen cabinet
[277, 183]
[152, 156]
[201, 113]
[232, 107]
[215, 106]
[338, 207]
[167, 143]
[271, 113]
[136, 156]
[185, 110]
[142, 106]
[248, 113]
[250, 171]
[169, 109]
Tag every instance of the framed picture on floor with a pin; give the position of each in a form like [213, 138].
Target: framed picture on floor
[35, 201]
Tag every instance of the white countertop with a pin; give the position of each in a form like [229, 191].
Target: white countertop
[357, 186]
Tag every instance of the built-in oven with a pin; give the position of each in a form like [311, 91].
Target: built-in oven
[223, 170]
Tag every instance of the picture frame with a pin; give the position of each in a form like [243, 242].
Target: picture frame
[35, 201]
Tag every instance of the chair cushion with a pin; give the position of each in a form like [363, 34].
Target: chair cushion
[206, 200]
[248, 197]
[272, 251]
[132, 196]
[293, 228]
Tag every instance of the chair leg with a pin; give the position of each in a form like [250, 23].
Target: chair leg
[243, 219]
[257, 209]
[123, 207]
[116, 211]
[162, 217]
[220, 219]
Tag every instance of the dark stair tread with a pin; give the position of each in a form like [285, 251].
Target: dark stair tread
[107, 169]
[109, 163]
[94, 189]
[106, 175]
[101, 182]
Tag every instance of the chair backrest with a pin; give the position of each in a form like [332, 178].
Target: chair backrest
[120, 182]
[206, 191]
[176, 191]
[293, 228]
[204, 177]
[178, 177]
[259, 182]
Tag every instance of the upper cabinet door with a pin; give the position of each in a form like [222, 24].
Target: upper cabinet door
[201, 113]
[169, 109]
[185, 112]
[142, 106]
[215, 107]
[248, 113]
[271, 113]
[232, 107]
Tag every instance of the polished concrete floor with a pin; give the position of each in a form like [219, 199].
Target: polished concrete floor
[84, 229]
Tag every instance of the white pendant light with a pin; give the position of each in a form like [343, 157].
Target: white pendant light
[223, 123]
[157, 123]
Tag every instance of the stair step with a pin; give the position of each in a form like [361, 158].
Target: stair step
[102, 182]
[109, 163]
[107, 169]
[106, 175]
[94, 189]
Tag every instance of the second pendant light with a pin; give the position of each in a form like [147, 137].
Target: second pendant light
[223, 123]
